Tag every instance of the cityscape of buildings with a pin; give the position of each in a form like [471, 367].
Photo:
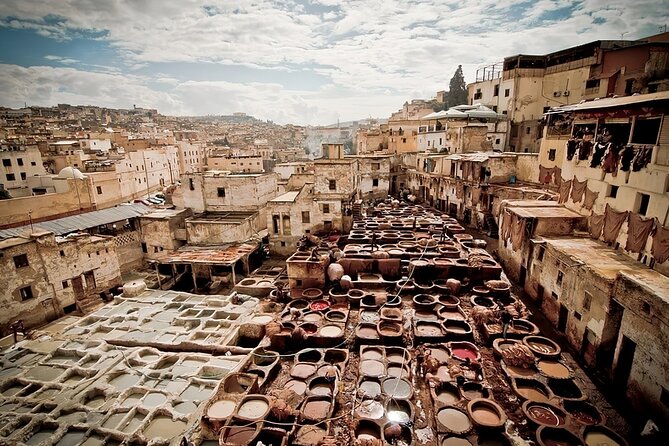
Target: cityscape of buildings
[236, 261]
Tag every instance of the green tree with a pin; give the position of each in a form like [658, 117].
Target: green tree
[457, 93]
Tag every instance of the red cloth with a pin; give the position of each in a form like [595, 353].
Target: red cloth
[613, 221]
[545, 175]
[660, 248]
[638, 231]
[577, 189]
[565, 186]
[596, 223]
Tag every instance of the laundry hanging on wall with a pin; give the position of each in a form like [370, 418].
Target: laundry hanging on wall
[660, 248]
[545, 174]
[572, 145]
[638, 231]
[590, 198]
[596, 225]
[613, 221]
[557, 176]
[577, 189]
[517, 231]
[565, 187]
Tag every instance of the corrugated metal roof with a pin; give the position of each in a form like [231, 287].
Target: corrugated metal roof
[613, 102]
[80, 222]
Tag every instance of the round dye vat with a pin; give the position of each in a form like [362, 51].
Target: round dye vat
[319, 305]
[124, 381]
[555, 436]
[132, 399]
[297, 386]
[221, 410]
[464, 354]
[303, 371]
[253, 409]
[440, 354]
[371, 367]
[396, 356]
[532, 390]
[331, 331]
[583, 413]
[486, 413]
[448, 395]
[372, 353]
[370, 409]
[307, 435]
[316, 409]
[601, 436]
[239, 434]
[544, 414]
[553, 369]
[455, 441]
[312, 317]
[454, 420]
[397, 388]
[371, 389]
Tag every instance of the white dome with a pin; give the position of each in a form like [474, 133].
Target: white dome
[70, 172]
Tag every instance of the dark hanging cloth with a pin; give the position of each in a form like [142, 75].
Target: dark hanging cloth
[506, 225]
[638, 231]
[613, 221]
[476, 195]
[596, 225]
[660, 248]
[557, 176]
[545, 175]
[577, 190]
[459, 190]
[584, 150]
[642, 158]
[517, 231]
[565, 187]
[590, 198]
[626, 157]
[572, 145]
[611, 160]
[598, 154]
[466, 170]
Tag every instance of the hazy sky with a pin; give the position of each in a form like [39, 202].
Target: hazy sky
[306, 62]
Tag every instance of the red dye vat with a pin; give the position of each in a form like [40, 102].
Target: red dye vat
[319, 305]
[464, 353]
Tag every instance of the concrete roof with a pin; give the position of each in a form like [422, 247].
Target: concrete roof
[87, 220]
[164, 213]
[608, 262]
[288, 197]
[545, 212]
[212, 255]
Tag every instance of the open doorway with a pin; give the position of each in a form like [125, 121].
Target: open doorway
[562, 320]
[625, 361]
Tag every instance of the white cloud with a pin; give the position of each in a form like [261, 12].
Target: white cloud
[63, 60]
[363, 47]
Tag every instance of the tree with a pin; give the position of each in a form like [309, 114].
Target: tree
[457, 93]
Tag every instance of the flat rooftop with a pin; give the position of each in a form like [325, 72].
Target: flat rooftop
[217, 255]
[288, 197]
[234, 217]
[545, 212]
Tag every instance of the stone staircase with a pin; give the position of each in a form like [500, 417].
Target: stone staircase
[357, 210]
[90, 303]
[491, 225]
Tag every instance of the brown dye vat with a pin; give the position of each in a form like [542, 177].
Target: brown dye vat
[320, 387]
[531, 389]
[428, 329]
[584, 413]
[565, 388]
[456, 326]
[303, 371]
[440, 354]
[542, 346]
[297, 386]
[241, 435]
[371, 367]
[426, 315]
[472, 391]
[164, 427]
[521, 371]
[372, 353]
[455, 441]
[486, 413]
[555, 436]
[447, 394]
[602, 436]
[483, 301]
[316, 409]
[367, 431]
[454, 420]
[367, 331]
[309, 355]
[448, 301]
[253, 408]
[389, 329]
[544, 414]
[553, 369]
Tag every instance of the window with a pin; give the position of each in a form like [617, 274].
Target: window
[327, 225]
[33, 163]
[375, 182]
[333, 185]
[507, 92]
[275, 223]
[612, 192]
[306, 218]
[11, 177]
[642, 203]
[497, 141]
[551, 154]
[478, 94]
[65, 284]
[99, 189]
[19, 161]
[587, 301]
[645, 307]
[21, 260]
[554, 295]
[577, 315]
[144, 249]
[558, 281]
[376, 166]
[540, 253]
[494, 108]
[62, 253]
[6, 162]
[646, 131]
[221, 191]
[283, 244]
[527, 130]
[404, 140]
[23, 175]
[629, 86]
[191, 184]
[496, 90]
[26, 293]
[326, 208]
[592, 84]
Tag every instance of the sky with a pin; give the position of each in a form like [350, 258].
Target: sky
[290, 61]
